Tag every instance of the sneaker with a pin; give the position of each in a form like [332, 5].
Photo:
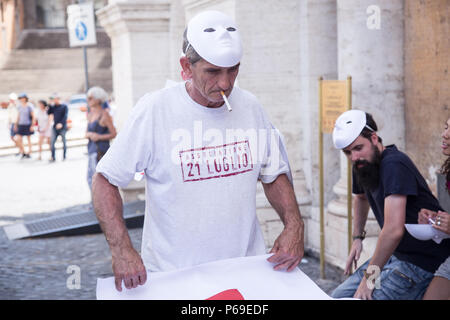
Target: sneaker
[51, 160]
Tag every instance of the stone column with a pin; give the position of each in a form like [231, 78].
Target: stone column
[177, 25]
[318, 57]
[139, 32]
[140, 46]
[270, 70]
[370, 49]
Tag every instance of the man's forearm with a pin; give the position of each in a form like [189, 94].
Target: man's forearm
[361, 210]
[393, 229]
[388, 241]
[281, 196]
[108, 207]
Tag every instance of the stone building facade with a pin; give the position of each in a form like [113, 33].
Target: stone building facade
[396, 52]
[288, 45]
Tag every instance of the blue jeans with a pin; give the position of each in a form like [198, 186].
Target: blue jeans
[399, 280]
[92, 164]
[55, 134]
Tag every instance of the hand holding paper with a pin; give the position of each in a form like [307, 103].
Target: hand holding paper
[288, 250]
[128, 267]
[249, 278]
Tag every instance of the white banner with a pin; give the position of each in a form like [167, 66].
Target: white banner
[247, 278]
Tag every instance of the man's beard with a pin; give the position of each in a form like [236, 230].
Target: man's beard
[368, 175]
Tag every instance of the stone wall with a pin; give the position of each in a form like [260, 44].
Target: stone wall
[427, 94]
[287, 46]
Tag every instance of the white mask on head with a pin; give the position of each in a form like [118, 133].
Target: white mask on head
[216, 38]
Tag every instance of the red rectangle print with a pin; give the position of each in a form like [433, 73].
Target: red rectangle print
[216, 162]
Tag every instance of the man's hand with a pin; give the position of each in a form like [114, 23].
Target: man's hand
[58, 126]
[288, 249]
[353, 257]
[363, 291]
[128, 266]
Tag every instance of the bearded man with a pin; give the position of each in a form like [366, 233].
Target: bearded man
[387, 181]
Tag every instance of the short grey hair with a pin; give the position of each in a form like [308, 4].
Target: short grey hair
[98, 94]
[189, 51]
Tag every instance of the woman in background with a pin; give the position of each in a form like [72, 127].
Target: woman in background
[439, 288]
[44, 125]
[100, 129]
[24, 124]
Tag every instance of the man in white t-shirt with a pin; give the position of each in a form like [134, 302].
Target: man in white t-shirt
[202, 160]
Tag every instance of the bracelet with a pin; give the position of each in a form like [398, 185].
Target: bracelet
[362, 236]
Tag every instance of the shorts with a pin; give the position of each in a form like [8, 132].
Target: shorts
[444, 270]
[24, 130]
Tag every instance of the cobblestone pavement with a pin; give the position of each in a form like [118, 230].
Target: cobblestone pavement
[38, 268]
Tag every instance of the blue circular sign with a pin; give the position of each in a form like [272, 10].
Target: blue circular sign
[81, 30]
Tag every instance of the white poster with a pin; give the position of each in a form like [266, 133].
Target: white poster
[247, 278]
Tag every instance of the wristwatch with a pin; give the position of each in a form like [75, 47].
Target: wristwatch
[362, 236]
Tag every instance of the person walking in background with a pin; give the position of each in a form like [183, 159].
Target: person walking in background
[100, 129]
[44, 125]
[58, 113]
[12, 118]
[24, 124]
[439, 288]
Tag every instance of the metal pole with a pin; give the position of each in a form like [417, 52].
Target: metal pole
[86, 76]
[321, 188]
[349, 174]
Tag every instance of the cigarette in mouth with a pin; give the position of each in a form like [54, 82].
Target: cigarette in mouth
[226, 100]
[431, 221]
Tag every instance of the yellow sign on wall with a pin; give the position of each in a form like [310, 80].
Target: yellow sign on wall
[334, 102]
[335, 97]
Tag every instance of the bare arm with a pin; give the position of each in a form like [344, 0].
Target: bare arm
[361, 210]
[289, 246]
[33, 121]
[393, 229]
[108, 206]
[388, 240]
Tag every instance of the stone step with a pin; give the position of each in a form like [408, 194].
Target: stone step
[98, 58]
[40, 72]
[47, 81]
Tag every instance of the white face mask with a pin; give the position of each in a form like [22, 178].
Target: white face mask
[216, 38]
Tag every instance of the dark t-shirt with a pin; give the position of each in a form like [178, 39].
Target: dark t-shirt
[60, 113]
[399, 175]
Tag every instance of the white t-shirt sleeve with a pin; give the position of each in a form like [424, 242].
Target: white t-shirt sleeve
[275, 159]
[131, 151]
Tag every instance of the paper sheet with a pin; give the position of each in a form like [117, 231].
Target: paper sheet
[253, 277]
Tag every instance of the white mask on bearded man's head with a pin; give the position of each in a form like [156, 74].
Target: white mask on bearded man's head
[216, 38]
